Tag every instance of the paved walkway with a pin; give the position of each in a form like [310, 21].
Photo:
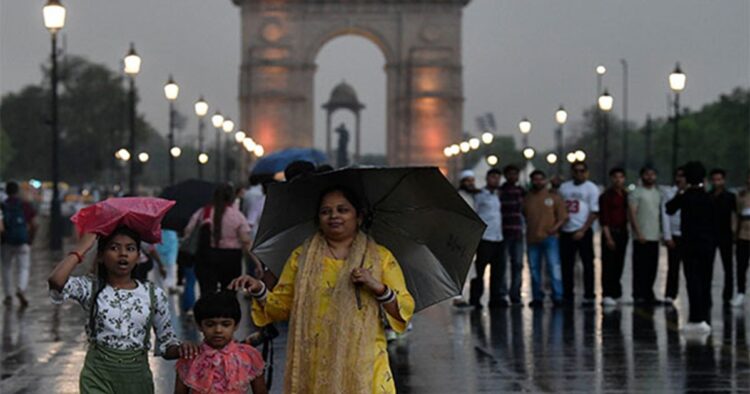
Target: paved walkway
[624, 349]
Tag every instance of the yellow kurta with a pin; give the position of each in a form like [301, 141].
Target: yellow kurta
[279, 303]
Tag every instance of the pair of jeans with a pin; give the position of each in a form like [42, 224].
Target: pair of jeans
[493, 254]
[613, 262]
[743, 258]
[20, 255]
[514, 248]
[645, 265]
[550, 250]
[188, 297]
[725, 246]
[569, 248]
[674, 258]
[698, 258]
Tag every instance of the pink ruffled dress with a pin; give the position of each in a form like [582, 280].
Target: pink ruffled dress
[229, 370]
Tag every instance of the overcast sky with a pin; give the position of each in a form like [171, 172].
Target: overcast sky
[521, 58]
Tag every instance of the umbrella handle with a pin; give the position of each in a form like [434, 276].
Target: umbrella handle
[358, 296]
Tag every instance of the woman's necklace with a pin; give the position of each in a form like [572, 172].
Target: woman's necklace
[332, 252]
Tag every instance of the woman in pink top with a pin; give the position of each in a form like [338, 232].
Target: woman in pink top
[225, 236]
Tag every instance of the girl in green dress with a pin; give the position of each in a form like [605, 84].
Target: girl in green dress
[121, 312]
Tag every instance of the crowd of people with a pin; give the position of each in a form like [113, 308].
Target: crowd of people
[556, 224]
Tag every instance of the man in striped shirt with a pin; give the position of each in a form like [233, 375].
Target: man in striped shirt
[511, 202]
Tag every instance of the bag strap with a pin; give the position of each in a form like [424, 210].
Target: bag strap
[92, 304]
[151, 312]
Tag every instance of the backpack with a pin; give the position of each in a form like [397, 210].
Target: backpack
[16, 229]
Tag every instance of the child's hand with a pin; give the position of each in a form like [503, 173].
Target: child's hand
[189, 350]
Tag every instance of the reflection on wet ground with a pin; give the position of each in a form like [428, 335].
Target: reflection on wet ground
[623, 349]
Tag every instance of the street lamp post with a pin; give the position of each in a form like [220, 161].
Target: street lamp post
[648, 132]
[228, 127]
[132, 66]
[624, 113]
[201, 109]
[561, 116]
[171, 91]
[54, 20]
[677, 80]
[605, 105]
[218, 121]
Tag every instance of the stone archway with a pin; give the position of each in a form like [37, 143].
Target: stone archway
[421, 43]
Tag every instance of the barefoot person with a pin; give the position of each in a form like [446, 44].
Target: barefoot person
[333, 345]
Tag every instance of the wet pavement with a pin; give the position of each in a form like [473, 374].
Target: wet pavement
[623, 349]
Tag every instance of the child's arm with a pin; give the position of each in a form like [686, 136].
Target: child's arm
[179, 387]
[63, 269]
[259, 385]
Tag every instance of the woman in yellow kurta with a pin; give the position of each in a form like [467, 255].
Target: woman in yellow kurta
[334, 345]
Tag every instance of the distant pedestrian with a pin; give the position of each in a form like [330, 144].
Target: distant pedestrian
[511, 200]
[490, 251]
[645, 218]
[581, 198]
[726, 209]
[168, 249]
[220, 258]
[698, 214]
[743, 242]
[19, 228]
[673, 237]
[545, 214]
[467, 190]
[613, 217]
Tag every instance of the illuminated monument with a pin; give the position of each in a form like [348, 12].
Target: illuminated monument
[421, 43]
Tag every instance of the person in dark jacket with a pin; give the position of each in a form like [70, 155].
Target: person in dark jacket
[726, 209]
[698, 221]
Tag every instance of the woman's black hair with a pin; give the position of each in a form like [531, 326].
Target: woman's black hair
[223, 196]
[101, 269]
[223, 304]
[348, 194]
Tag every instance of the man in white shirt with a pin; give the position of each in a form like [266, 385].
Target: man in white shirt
[672, 237]
[581, 197]
[490, 251]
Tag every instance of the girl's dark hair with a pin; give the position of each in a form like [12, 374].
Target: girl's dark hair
[101, 269]
[348, 194]
[223, 196]
[223, 304]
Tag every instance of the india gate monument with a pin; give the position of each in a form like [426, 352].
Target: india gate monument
[420, 41]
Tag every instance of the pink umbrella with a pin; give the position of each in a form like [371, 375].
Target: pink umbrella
[141, 214]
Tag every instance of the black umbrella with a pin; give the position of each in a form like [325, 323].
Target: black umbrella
[414, 212]
[190, 195]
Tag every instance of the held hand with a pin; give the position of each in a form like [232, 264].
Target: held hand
[246, 283]
[670, 244]
[189, 350]
[578, 235]
[363, 276]
[552, 231]
[86, 242]
[641, 240]
[611, 244]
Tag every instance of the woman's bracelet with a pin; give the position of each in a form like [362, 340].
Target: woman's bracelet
[77, 256]
[261, 294]
[387, 297]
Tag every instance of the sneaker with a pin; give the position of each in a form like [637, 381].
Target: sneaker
[697, 328]
[609, 301]
[460, 303]
[738, 300]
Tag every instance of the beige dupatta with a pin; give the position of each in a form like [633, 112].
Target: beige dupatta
[343, 350]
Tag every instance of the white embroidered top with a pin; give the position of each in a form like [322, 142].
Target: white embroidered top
[123, 314]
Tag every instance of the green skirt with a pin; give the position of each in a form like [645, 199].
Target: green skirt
[112, 371]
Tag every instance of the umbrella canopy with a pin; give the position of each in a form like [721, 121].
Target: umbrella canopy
[189, 195]
[414, 212]
[141, 214]
[277, 161]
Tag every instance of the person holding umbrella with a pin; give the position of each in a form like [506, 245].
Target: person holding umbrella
[335, 344]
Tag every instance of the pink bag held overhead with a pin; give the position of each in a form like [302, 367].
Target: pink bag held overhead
[141, 214]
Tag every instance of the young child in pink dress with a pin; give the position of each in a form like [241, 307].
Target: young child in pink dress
[223, 365]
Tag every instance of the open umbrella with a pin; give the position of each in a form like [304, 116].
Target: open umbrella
[277, 161]
[414, 212]
[189, 195]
